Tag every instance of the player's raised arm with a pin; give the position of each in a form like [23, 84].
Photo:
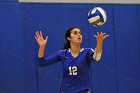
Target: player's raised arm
[100, 38]
[41, 42]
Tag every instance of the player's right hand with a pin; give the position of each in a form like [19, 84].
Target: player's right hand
[40, 40]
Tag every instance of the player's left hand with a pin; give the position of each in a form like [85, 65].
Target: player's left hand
[100, 36]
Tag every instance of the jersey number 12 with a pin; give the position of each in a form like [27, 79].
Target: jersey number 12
[72, 70]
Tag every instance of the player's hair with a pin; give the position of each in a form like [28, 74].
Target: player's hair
[67, 34]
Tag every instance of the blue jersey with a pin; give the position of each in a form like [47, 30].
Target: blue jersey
[75, 70]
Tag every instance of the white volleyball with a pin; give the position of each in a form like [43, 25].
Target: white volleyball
[97, 16]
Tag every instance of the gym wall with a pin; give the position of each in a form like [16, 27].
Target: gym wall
[117, 71]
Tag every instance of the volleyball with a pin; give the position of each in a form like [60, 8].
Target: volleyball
[97, 16]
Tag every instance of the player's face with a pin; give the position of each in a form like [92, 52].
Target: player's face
[76, 36]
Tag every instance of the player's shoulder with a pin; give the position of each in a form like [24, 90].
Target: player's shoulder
[63, 51]
[87, 49]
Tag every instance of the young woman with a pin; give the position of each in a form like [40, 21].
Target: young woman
[75, 60]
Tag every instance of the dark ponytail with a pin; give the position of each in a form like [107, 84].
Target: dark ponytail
[67, 34]
[67, 45]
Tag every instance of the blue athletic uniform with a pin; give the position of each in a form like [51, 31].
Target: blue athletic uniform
[75, 70]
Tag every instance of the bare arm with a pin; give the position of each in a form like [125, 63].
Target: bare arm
[98, 51]
[41, 42]
[100, 38]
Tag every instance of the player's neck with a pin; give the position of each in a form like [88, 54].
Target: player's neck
[75, 49]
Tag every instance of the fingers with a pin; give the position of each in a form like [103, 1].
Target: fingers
[35, 37]
[94, 35]
[97, 33]
[106, 36]
[38, 35]
[46, 38]
[101, 34]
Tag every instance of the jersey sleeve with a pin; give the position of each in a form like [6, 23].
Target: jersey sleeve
[56, 57]
[94, 55]
[90, 54]
[97, 55]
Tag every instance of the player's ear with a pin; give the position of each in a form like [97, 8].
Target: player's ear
[68, 38]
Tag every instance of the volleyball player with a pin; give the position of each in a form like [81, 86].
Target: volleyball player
[75, 60]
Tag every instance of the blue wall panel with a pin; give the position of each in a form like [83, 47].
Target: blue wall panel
[29, 54]
[11, 49]
[127, 48]
[48, 19]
